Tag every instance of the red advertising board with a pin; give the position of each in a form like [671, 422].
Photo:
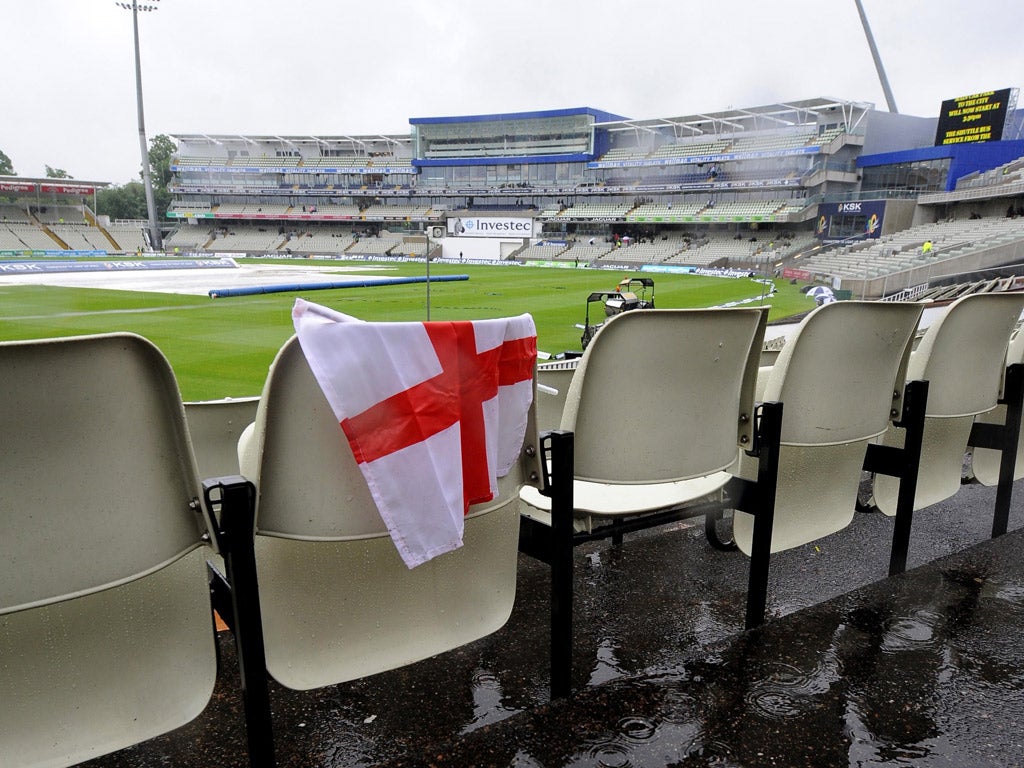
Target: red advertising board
[16, 186]
[65, 189]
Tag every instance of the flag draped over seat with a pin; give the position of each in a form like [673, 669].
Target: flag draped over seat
[434, 412]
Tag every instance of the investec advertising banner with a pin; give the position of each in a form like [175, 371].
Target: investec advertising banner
[490, 227]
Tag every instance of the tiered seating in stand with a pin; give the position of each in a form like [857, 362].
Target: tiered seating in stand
[207, 161]
[585, 253]
[397, 211]
[81, 237]
[645, 252]
[14, 214]
[691, 148]
[543, 251]
[712, 249]
[187, 238]
[369, 246]
[332, 240]
[231, 209]
[332, 209]
[58, 214]
[623, 153]
[191, 205]
[768, 142]
[595, 211]
[667, 210]
[905, 249]
[128, 235]
[242, 237]
[245, 161]
[1007, 173]
[743, 210]
[32, 237]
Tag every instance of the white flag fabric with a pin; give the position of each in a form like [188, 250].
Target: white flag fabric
[434, 412]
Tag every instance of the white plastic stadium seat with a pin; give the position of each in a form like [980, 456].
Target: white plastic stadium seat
[106, 636]
[657, 410]
[839, 378]
[831, 392]
[337, 601]
[642, 455]
[962, 356]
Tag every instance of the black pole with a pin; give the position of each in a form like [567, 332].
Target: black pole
[1013, 398]
[769, 440]
[235, 499]
[562, 514]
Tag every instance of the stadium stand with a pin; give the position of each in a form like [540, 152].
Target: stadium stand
[191, 238]
[248, 238]
[128, 235]
[319, 241]
[796, 167]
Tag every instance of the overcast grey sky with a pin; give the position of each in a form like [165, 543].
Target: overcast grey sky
[333, 67]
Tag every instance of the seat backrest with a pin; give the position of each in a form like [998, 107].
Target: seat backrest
[665, 394]
[337, 601]
[839, 379]
[215, 427]
[843, 361]
[962, 356]
[103, 594]
[985, 462]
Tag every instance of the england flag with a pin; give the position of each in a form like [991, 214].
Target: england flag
[434, 412]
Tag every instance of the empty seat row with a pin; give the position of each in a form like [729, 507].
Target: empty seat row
[848, 393]
[111, 541]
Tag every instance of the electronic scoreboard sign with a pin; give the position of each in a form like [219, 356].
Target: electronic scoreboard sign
[979, 117]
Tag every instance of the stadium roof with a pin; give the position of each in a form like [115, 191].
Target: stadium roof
[598, 114]
[782, 115]
[294, 140]
[47, 181]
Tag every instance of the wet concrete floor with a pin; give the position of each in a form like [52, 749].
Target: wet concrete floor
[852, 669]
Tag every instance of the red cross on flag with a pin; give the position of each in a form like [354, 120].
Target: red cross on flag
[434, 412]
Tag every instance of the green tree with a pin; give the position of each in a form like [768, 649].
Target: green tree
[57, 173]
[127, 201]
[6, 168]
[161, 150]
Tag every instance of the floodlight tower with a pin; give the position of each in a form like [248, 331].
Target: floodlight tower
[155, 240]
[889, 100]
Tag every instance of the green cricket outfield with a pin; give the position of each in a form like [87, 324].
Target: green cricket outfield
[223, 347]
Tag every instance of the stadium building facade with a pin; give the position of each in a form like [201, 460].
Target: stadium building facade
[753, 188]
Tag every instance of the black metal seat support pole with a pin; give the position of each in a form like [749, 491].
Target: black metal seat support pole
[560, 489]
[1004, 438]
[233, 503]
[1013, 398]
[767, 444]
[903, 463]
